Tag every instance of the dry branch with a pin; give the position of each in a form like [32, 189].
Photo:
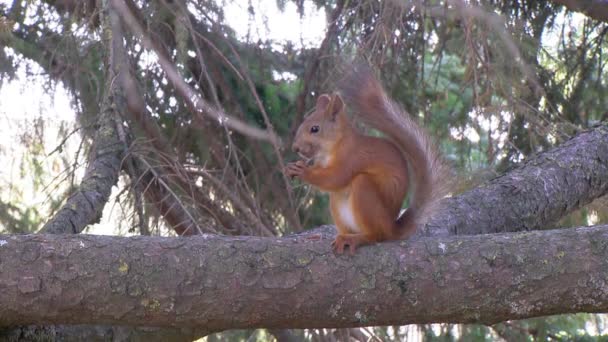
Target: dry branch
[218, 283]
[190, 96]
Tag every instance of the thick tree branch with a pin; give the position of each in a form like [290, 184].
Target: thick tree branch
[218, 283]
[534, 195]
[595, 9]
[86, 204]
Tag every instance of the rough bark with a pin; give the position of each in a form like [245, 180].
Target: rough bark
[219, 283]
[86, 204]
[534, 195]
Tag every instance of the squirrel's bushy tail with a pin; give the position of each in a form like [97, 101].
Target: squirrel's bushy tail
[367, 100]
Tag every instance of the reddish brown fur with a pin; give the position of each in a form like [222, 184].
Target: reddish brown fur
[366, 177]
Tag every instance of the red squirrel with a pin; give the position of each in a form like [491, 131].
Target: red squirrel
[367, 177]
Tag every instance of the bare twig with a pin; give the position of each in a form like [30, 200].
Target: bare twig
[247, 211]
[497, 24]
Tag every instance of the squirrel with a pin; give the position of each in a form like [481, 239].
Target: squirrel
[367, 177]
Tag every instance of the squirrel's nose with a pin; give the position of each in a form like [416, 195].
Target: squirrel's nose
[295, 148]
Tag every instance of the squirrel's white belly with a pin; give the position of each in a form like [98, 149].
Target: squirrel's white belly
[347, 216]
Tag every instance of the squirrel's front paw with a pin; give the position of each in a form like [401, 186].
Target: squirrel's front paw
[295, 169]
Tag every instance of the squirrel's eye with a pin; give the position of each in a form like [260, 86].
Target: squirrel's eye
[314, 129]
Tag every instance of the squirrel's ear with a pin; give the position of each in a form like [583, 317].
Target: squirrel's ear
[330, 105]
[335, 107]
[323, 101]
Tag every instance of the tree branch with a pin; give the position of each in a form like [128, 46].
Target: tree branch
[86, 204]
[190, 96]
[595, 9]
[225, 283]
[534, 195]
